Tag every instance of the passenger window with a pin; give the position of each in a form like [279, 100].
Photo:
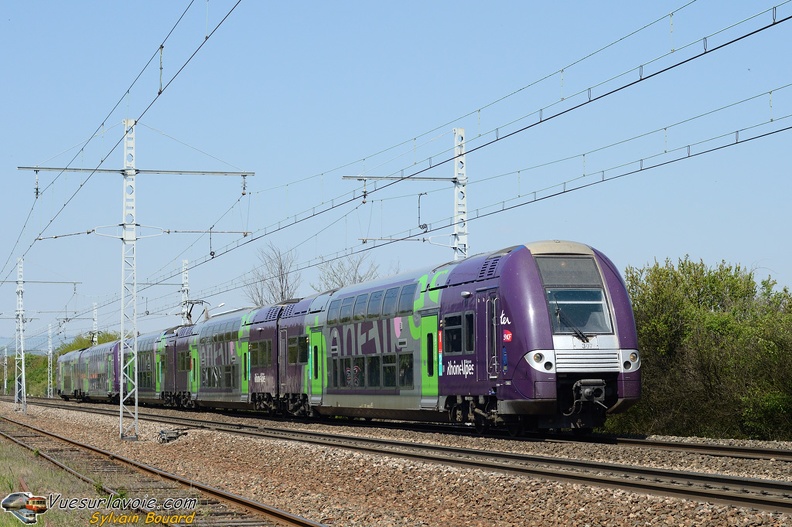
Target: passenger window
[390, 302]
[373, 372]
[452, 338]
[293, 350]
[375, 304]
[359, 372]
[346, 309]
[470, 333]
[406, 299]
[332, 312]
[346, 372]
[361, 302]
[406, 370]
[389, 371]
[302, 350]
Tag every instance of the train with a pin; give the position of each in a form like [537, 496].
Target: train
[530, 337]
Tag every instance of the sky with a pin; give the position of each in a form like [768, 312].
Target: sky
[652, 131]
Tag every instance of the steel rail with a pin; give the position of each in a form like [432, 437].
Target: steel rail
[732, 490]
[272, 513]
[710, 449]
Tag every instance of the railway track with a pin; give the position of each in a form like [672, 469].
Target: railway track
[135, 493]
[754, 493]
[709, 449]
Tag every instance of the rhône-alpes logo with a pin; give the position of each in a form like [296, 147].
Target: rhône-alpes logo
[25, 506]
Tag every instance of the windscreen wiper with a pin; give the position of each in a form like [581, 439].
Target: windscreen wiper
[576, 330]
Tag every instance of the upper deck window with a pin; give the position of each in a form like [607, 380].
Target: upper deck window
[333, 311]
[361, 302]
[375, 304]
[390, 302]
[575, 296]
[406, 299]
[346, 309]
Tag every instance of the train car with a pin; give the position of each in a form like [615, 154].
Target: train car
[153, 355]
[219, 363]
[102, 367]
[533, 336]
[69, 376]
[539, 336]
[262, 333]
[176, 367]
[378, 343]
[37, 504]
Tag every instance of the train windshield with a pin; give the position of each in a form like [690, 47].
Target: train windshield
[575, 295]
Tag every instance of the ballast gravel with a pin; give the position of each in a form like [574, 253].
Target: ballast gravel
[339, 488]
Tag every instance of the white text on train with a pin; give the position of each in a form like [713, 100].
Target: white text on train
[464, 368]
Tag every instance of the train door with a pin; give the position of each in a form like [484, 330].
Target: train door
[488, 321]
[243, 346]
[493, 335]
[283, 346]
[110, 375]
[316, 362]
[430, 368]
[195, 366]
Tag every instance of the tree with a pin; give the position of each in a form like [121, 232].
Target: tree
[275, 279]
[345, 271]
[716, 352]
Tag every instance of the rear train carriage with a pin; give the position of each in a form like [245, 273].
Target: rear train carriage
[102, 367]
[69, 376]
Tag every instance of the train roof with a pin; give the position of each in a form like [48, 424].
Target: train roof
[559, 247]
[477, 267]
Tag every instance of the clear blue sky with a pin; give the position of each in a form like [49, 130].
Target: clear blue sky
[303, 93]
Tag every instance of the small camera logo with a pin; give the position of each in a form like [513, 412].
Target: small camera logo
[25, 506]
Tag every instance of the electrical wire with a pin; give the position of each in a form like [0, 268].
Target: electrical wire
[95, 133]
[500, 138]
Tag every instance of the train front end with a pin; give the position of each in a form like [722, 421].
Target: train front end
[575, 358]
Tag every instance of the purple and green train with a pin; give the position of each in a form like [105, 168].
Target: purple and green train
[529, 337]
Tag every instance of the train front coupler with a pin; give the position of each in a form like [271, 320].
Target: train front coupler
[587, 392]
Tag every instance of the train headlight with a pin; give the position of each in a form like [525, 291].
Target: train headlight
[633, 357]
[548, 365]
[538, 357]
[627, 365]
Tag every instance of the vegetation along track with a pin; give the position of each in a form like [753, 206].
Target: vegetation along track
[760, 494]
[157, 497]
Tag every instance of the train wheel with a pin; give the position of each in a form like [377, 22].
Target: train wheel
[481, 425]
[515, 427]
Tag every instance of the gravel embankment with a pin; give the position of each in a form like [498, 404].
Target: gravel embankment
[342, 488]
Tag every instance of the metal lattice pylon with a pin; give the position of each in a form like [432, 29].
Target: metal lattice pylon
[128, 376]
[460, 237]
[49, 361]
[20, 391]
